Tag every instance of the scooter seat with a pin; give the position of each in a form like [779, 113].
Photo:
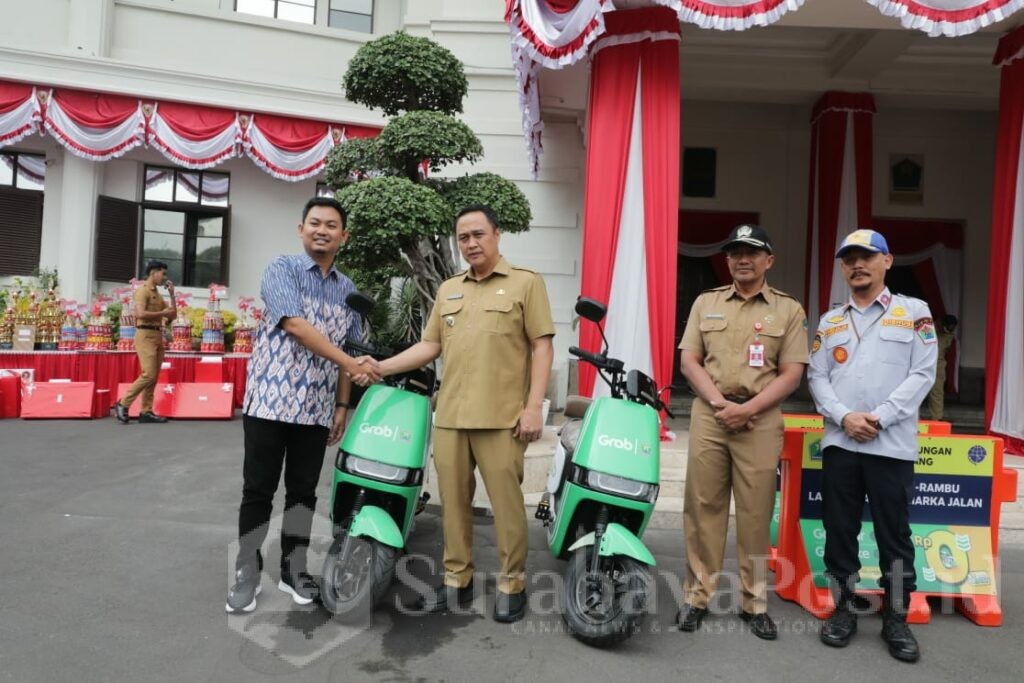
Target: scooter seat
[570, 434]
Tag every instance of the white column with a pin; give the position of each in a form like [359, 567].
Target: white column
[76, 230]
[89, 26]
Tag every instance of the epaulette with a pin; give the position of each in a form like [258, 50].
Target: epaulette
[779, 292]
[528, 270]
[717, 289]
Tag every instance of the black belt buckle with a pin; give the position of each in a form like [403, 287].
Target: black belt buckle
[738, 399]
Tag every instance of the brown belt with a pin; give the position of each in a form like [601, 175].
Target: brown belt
[737, 399]
[146, 327]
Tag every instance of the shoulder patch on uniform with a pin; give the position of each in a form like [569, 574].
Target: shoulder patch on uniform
[816, 344]
[779, 292]
[925, 328]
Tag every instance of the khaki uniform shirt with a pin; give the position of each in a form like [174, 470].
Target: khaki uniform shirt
[151, 301]
[485, 328]
[722, 326]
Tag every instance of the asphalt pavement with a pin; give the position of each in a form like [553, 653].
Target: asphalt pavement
[116, 552]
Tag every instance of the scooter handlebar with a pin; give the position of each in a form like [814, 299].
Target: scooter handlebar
[592, 358]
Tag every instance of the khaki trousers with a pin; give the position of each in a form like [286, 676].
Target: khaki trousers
[149, 345]
[499, 455]
[937, 395]
[743, 463]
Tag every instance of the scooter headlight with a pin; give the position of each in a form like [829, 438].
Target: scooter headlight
[620, 486]
[372, 469]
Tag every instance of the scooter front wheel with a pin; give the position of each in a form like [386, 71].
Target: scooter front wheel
[605, 607]
[355, 580]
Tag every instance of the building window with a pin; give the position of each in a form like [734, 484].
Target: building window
[302, 11]
[22, 177]
[23, 171]
[354, 15]
[185, 216]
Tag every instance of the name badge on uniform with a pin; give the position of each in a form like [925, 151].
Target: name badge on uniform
[454, 297]
[755, 357]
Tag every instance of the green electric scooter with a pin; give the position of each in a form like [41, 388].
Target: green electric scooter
[602, 486]
[378, 477]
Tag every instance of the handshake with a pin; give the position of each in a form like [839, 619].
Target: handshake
[364, 370]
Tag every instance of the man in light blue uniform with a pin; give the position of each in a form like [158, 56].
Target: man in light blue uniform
[872, 364]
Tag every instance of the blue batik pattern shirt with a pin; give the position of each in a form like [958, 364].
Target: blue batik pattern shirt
[286, 381]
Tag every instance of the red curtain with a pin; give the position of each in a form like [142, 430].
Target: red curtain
[829, 121]
[95, 110]
[1004, 209]
[292, 135]
[196, 122]
[13, 95]
[614, 75]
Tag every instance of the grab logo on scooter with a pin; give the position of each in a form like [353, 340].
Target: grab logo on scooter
[393, 433]
[623, 444]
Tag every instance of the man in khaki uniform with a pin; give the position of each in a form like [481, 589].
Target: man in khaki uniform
[150, 314]
[937, 396]
[492, 323]
[743, 352]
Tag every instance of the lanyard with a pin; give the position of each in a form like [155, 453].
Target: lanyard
[872, 323]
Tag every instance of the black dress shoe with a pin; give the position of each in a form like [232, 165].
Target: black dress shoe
[689, 618]
[839, 628]
[761, 625]
[151, 418]
[444, 597]
[509, 607]
[902, 643]
[121, 413]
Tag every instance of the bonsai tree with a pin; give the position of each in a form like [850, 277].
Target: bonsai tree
[399, 212]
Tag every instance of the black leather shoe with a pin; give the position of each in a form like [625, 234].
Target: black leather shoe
[445, 596]
[121, 413]
[902, 643]
[761, 625]
[839, 628]
[689, 618]
[151, 418]
[509, 607]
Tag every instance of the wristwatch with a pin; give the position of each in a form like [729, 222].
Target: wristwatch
[343, 404]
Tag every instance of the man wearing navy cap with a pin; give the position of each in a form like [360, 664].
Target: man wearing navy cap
[872, 364]
[743, 352]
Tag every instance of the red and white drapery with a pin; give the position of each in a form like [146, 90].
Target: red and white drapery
[20, 113]
[630, 220]
[839, 196]
[557, 33]
[1004, 339]
[99, 127]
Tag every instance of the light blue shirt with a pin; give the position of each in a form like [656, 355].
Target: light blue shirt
[286, 381]
[879, 360]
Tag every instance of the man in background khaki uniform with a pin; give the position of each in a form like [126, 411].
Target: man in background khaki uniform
[150, 314]
[937, 396]
[492, 323]
[743, 352]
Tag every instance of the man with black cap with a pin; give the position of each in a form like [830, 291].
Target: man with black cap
[743, 352]
[872, 364]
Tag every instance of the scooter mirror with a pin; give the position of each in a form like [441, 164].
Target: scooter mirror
[591, 309]
[360, 303]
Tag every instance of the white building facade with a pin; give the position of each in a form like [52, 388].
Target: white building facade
[747, 96]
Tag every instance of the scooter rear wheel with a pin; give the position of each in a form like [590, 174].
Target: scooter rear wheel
[608, 610]
[352, 584]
